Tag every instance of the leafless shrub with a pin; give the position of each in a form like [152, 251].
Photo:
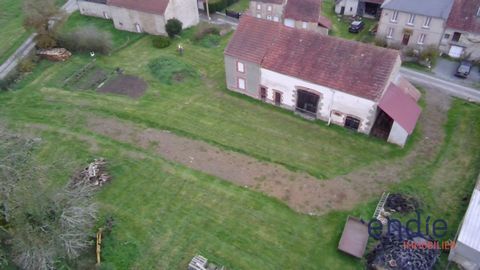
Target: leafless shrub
[87, 39]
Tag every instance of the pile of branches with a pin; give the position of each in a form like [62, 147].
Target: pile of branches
[95, 174]
[391, 254]
[401, 203]
[56, 54]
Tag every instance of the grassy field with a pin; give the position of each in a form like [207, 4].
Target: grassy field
[166, 213]
[11, 30]
[240, 6]
[340, 25]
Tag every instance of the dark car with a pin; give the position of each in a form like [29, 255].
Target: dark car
[356, 26]
[464, 69]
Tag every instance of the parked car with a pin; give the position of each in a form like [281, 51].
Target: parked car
[356, 26]
[464, 69]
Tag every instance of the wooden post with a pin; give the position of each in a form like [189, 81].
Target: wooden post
[208, 11]
[99, 242]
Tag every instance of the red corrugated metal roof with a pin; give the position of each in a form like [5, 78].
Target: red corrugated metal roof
[401, 107]
[148, 6]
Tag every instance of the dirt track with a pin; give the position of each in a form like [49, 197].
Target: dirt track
[300, 191]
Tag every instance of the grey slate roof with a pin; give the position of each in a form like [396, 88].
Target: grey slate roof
[431, 8]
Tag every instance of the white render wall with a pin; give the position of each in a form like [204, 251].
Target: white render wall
[94, 9]
[184, 10]
[351, 7]
[398, 135]
[333, 105]
[127, 19]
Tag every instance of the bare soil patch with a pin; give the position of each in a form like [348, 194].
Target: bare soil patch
[300, 191]
[128, 85]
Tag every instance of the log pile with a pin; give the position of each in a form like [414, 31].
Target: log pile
[390, 253]
[95, 174]
[56, 54]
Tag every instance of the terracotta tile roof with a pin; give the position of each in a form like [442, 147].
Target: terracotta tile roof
[401, 107]
[303, 10]
[464, 17]
[352, 67]
[252, 39]
[148, 6]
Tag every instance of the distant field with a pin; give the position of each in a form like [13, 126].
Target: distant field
[165, 213]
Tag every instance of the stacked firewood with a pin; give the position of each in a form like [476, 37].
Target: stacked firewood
[95, 174]
[56, 54]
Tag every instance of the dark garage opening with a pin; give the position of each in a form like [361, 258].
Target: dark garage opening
[307, 103]
[383, 125]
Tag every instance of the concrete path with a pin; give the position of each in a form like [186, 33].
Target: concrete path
[29, 45]
[450, 88]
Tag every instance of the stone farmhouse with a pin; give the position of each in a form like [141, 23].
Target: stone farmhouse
[413, 23]
[302, 14]
[341, 82]
[146, 16]
[462, 35]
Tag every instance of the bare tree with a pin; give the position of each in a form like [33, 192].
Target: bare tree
[44, 17]
[44, 223]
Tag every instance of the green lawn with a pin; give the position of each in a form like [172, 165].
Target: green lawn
[240, 6]
[341, 24]
[11, 30]
[166, 213]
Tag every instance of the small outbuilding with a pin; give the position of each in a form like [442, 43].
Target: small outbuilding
[466, 252]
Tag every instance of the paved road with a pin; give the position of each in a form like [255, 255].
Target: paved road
[448, 87]
[29, 45]
[445, 69]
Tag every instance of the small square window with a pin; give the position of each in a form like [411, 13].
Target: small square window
[269, 17]
[241, 83]
[259, 16]
[269, 8]
[446, 36]
[304, 25]
[259, 6]
[275, 19]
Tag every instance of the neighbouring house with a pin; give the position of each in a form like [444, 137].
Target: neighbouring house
[267, 9]
[363, 8]
[146, 16]
[466, 252]
[305, 14]
[413, 23]
[462, 36]
[339, 81]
